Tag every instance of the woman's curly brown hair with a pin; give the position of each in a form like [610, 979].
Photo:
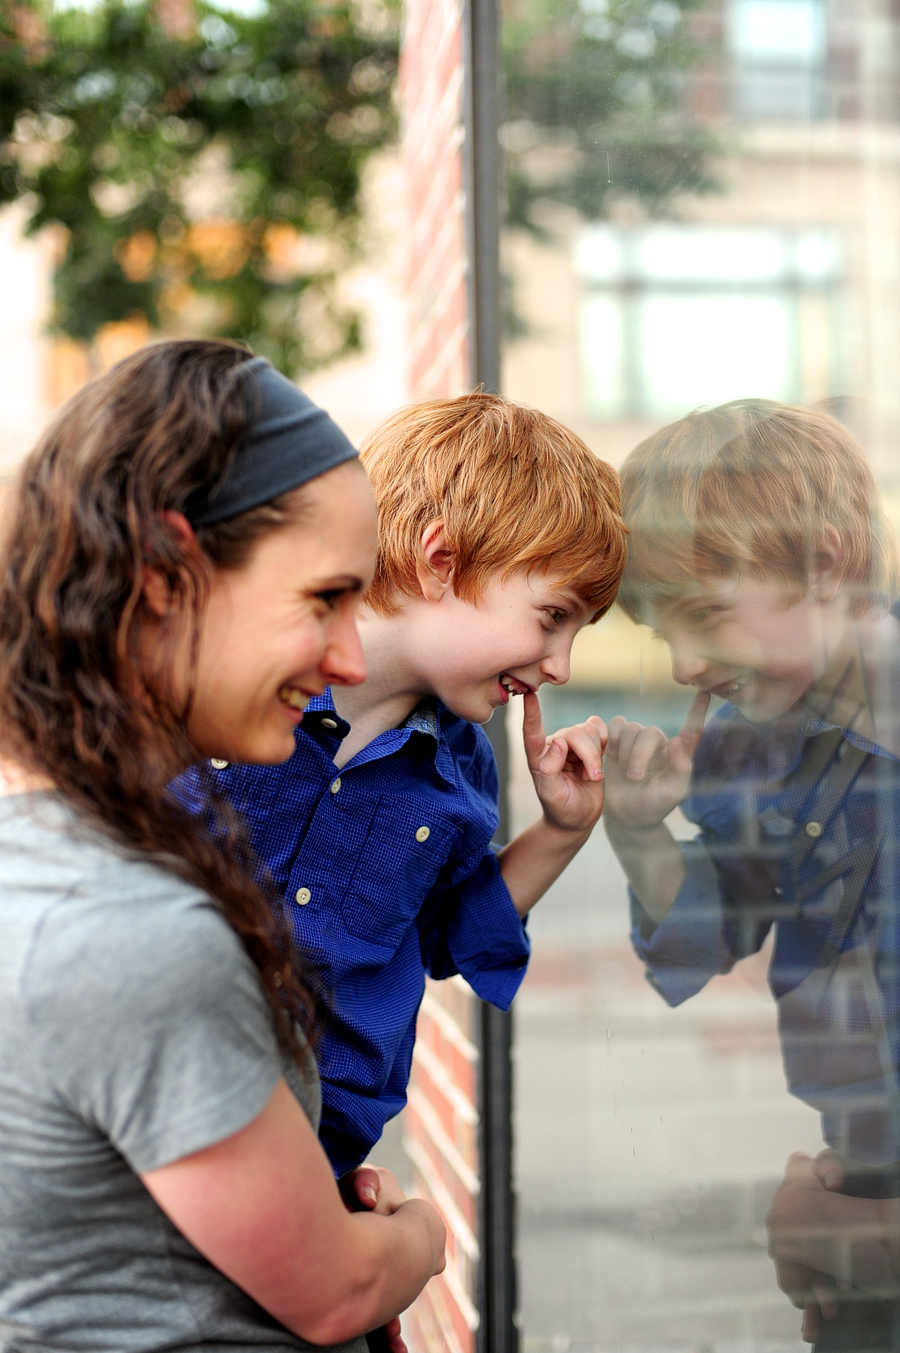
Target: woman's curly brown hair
[84, 519]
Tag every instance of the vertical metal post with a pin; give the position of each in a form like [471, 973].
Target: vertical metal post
[497, 1279]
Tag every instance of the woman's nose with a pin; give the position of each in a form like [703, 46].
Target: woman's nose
[344, 663]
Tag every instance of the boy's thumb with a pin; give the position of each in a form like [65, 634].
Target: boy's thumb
[554, 756]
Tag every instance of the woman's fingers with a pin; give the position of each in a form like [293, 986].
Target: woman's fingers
[829, 1170]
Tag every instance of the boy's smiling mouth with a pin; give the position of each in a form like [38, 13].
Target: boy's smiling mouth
[512, 686]
[729, 689]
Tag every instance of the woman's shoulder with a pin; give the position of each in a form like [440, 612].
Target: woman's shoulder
[72, 900]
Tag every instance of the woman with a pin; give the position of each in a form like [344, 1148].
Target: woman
[182, 560]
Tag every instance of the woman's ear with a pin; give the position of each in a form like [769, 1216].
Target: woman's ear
[828, 565]
[434, 567]
[155, 586]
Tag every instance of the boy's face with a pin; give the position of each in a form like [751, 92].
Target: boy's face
[744, 640]
[475, 655]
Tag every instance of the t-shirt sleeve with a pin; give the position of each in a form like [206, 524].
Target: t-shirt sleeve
[151, 1024]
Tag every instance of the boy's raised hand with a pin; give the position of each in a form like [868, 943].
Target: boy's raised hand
[567, 768]
[648, 774]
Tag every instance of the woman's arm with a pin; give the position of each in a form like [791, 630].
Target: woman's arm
[263, 1207]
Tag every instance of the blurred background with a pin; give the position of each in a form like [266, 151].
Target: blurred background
[700, 201]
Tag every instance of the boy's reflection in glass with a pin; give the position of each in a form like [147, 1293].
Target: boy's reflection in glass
[759, 552]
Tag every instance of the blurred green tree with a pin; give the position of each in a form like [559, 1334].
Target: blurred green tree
[205, 174]
[596, 110]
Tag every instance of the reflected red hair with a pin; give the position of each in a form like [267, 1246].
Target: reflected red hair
[749, 487]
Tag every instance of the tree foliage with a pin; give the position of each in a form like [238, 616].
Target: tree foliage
[596, 108]
[208, 178]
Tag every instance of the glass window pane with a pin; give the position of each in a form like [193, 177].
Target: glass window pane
[702, 263]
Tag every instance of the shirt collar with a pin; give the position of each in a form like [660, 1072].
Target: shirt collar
[858, 691]
[427, 718]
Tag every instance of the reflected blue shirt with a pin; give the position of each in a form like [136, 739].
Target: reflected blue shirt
[741, 882]
[387, 874]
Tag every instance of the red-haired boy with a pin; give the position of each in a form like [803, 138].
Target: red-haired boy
[500, 538]
[759, 551]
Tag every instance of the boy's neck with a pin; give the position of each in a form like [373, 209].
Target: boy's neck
[390, 691]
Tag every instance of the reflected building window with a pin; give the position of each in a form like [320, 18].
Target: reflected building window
[675, 315]
[778, 51]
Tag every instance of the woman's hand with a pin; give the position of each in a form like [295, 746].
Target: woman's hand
[648, 774]
[567, 768]
[794, 1224]
[372, 1189]
[376, 1190]
[263, 1207]
[822, 1241]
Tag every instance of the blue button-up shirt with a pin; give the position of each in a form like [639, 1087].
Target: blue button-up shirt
[387, 873]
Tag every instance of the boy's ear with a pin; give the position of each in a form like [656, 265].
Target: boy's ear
[434, 567]
[828, 565]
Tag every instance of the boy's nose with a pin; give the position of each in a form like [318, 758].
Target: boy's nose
[344, 663]
[555, 667]
[688, 665]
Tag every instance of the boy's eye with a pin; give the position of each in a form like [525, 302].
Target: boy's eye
[331, 597]
[556, 615]
[704, 615]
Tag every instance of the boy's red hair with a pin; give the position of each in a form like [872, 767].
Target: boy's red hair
[513, 488]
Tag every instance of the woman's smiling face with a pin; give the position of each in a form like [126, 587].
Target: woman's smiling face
[278, 630]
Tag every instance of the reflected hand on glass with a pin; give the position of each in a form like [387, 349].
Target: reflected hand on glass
[826, 1245]
[647, 774]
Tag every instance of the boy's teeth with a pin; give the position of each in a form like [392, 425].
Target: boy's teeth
[291, 696]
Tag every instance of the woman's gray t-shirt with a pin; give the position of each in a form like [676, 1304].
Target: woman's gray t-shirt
[133, 1031]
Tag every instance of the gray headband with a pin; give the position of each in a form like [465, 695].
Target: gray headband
[290, 442]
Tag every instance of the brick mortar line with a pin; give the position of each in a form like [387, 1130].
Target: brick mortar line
[449, 1027]
[426, 1111]
[434, 1068]
[461, 1229]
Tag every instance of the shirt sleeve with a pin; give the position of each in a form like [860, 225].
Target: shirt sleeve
[700, 936]
[475, 930]
[150, 1023]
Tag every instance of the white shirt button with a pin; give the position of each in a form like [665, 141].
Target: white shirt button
[303, 895]
[217, 764]
[814, 829]
[329, 723]
[335, 785]
[423, 833]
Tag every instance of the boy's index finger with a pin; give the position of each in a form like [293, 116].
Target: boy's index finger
[695, 718]
[532, 725]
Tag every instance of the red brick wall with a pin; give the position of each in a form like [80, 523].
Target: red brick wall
[442, 1118]
[431, 92]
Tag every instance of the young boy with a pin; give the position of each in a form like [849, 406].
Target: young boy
[759, 551]
[500, 538]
